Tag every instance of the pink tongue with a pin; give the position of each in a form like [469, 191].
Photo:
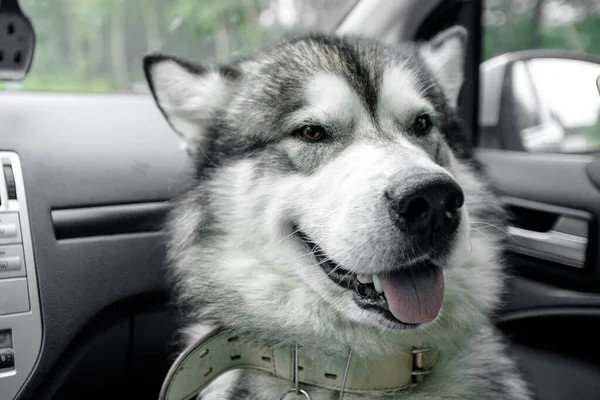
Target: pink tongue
[414, 296]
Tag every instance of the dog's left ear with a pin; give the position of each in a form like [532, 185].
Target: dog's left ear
[444, 55]
[189, 94]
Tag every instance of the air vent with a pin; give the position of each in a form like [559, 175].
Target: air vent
[8, 186]
[11, 185]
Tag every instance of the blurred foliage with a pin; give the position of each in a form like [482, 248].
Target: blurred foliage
[97, 45]
[512, 25]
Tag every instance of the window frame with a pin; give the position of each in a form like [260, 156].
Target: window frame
[467, 14]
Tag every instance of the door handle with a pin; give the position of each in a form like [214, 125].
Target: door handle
[566, 243]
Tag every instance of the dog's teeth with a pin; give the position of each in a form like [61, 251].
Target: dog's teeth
[364, 278]
[377, 284]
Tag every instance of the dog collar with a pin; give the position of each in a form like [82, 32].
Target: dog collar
[219, 352]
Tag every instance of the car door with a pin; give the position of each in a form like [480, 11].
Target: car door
[551, 189]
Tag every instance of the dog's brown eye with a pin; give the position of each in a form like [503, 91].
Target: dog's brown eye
[422, 124]
[313, 133]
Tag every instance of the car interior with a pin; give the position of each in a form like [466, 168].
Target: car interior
[87, 177]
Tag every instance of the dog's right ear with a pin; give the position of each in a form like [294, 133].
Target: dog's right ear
[188, 94]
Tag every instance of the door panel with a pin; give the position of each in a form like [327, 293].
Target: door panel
[552, 310]
[554, 188]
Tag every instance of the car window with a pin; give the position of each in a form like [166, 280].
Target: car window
[546, 56]
[97, 45]
[574, 102]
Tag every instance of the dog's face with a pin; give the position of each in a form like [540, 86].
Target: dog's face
[326, 189]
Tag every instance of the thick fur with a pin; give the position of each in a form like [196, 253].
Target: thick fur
[233, 254]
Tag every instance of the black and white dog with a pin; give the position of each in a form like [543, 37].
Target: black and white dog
[335, 206]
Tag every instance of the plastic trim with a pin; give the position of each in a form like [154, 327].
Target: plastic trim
[109, 220]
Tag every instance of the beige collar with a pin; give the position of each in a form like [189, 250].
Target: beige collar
[217, 353]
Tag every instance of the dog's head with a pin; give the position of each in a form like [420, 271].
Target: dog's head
[328, 194]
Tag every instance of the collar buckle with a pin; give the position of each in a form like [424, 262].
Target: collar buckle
[418, 373]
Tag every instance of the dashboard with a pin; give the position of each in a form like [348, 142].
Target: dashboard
[85, 186]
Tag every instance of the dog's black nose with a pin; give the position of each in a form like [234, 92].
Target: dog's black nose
[429, 207]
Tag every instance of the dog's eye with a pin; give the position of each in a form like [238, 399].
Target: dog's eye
[422, 124]
[312, 133]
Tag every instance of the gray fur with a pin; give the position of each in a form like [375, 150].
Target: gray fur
[234, 256]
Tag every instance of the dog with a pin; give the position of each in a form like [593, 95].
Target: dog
[336, 205]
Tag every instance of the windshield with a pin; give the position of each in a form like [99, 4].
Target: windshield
[97, 45]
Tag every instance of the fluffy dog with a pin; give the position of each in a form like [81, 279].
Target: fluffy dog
[336, 205]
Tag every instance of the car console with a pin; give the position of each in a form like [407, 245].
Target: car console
[20, 319]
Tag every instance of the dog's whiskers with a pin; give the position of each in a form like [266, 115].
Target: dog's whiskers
[487, 224]
[477, 202]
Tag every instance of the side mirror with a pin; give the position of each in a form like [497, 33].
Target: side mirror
[542, 101]
[17, 41]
